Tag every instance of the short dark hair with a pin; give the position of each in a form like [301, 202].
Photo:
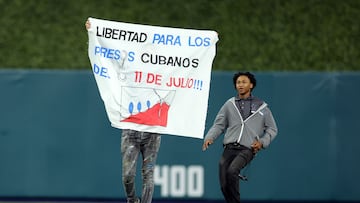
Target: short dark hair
[247, 74]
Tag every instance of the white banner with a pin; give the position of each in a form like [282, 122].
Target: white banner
[152, 78]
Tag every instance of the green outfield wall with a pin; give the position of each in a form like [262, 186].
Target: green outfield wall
[56, 140]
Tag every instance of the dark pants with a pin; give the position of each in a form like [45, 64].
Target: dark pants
[234, 158]
[132, 144]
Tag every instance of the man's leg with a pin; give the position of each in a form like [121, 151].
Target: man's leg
[129, 150]
[244, 156]
[226, 159]
[149, 147]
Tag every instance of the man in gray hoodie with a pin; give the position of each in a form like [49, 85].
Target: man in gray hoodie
[248, 126]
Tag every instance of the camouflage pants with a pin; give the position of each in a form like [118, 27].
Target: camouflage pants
[132, 143]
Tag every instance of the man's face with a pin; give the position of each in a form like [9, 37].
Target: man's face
[243, 85]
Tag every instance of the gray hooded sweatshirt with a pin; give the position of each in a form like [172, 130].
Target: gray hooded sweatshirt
[260, 125]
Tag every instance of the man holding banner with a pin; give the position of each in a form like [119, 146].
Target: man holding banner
[248, 125]
[153, 80]
[132, 143]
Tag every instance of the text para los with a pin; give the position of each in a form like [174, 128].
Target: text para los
[168, 39]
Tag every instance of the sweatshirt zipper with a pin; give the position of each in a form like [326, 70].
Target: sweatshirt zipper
[242, 121]
[260, 108]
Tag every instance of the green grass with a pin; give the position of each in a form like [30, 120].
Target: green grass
[261, 35]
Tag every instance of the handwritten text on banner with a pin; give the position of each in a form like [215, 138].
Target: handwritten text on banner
[153, 78]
